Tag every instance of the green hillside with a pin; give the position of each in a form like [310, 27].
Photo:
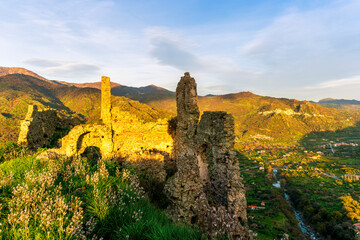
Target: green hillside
[266, 119]
[87, 102]
[17, 91]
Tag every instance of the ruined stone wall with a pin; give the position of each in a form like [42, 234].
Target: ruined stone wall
[215, 133]
[206, 189]
[122, 134]
[132, 136]
[88, 135]
[38, 127]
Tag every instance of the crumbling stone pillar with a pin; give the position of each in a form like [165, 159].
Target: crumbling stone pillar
[185, 188]
[206, 189]
[106, 100]
[187, 114]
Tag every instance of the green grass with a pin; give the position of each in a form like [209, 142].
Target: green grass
[84, 198]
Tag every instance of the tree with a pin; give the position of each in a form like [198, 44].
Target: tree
[351, 206]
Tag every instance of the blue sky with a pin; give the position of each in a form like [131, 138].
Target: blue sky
[307, 49]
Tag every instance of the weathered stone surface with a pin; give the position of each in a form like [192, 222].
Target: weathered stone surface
[207, 188]
[121, 135]
[38, 127]
[106, 100]
[89, 135]
[187, 114]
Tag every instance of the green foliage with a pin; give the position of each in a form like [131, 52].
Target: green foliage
[77, 198]
[11, 150]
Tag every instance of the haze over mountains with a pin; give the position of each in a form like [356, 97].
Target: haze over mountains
[257, 118]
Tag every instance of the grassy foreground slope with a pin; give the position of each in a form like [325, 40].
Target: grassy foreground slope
[78, 199]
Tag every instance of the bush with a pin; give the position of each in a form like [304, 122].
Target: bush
[12, 150]
[73, 199]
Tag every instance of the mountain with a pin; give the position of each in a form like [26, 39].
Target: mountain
[17, 91]
[141, 94]
[340, 103]
[16, 70]
[258, 119]
[267, 119]
[96, 85]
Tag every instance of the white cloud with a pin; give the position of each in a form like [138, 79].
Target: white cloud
[81, 40]
[303, 47]
[352, 81]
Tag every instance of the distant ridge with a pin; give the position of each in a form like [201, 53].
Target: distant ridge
[340, 101]
[96, 85]
[17, 70]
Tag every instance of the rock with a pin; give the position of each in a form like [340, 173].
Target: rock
[207, 188]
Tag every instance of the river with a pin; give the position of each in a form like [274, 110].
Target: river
[306, 229]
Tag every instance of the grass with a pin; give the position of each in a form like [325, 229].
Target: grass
[79, 199]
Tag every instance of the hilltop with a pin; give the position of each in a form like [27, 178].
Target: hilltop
[340, 103]
[17, 70]
[141, 94]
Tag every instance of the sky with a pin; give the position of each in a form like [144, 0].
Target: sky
[302, 49]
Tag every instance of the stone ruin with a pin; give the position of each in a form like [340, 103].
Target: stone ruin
[120, 135]
[207, 188]
[39, 126]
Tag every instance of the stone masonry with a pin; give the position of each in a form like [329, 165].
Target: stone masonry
[39, 127]
[106, 100]
[120, 135]
[207, 188]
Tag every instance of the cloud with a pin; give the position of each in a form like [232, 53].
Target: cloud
[337, 83]
[215, 73]
[279, 53]
[40, 62]
[73, 70]
[169, 53]
[304, 47]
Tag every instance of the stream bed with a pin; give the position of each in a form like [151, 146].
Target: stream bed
[305, 228]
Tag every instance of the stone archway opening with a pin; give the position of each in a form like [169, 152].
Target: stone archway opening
[80, 142]
[89, 142]
[92, 152]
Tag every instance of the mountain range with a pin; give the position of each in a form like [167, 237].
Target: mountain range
[18, 90]
[257, 118]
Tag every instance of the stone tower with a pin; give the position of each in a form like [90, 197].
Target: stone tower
[105, 100]
[187, 114]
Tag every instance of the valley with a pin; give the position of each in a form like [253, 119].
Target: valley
[322, 184]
